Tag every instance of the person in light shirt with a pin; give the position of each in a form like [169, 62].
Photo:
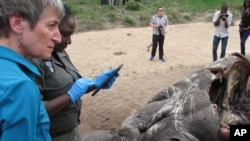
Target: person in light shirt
[222, 19]
[159, 23]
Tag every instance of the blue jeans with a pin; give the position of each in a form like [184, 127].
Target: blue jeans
[243, 38]
[216, 42]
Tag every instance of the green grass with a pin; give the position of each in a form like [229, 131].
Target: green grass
[91, 15]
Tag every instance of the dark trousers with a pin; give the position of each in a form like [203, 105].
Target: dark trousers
[243, 38]
[216, 42]
[158, 39]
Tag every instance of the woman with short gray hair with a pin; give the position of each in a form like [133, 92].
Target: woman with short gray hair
[29, 29]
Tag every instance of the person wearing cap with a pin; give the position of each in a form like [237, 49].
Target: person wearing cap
[244, 25]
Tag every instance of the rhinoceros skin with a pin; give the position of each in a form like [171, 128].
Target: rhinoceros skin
[185, 111]
[180, 112]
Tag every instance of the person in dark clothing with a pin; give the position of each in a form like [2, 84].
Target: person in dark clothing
[244, 25]
[62, 86]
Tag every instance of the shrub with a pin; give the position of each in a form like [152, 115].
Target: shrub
[187, 17]
[132, 5]
[112, 16]
[129, 21]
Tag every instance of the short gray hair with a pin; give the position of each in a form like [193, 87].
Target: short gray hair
[30, 10]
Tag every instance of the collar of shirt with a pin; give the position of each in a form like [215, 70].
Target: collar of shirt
[9, 54]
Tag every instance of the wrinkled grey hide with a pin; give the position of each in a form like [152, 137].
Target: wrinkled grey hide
[180, 112]
[100, 136]
[125, 134]
[184, 111]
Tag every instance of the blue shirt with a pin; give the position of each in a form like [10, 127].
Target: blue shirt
[22, 114]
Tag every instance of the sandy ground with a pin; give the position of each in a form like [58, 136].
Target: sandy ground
[187, 47]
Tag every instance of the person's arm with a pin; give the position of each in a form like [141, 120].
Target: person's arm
[166, 26]
[57, 104]
[228, 21]
[226, 24]
[246, 28]
[243, 28]
[216, 19]
[77, 90]
[217, 22]
[152, 23]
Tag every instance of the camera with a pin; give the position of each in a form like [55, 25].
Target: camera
[224, 16]
[161, 30]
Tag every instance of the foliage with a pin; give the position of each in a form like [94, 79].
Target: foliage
[128, 21]
[132, 5]
[91, 15]
[112, 16]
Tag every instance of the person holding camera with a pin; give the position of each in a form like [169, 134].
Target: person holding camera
[244, 25]
[222, 19]
[159, 23]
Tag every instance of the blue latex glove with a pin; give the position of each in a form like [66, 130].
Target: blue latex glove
[79, 88]
[103, 76]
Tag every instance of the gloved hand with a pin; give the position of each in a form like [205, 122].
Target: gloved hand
[79, 88]
[103, 76]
